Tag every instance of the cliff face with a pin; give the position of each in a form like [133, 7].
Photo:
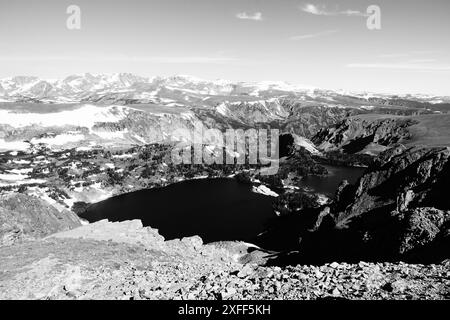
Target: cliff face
[27, 218]
[401, 178]
[365, 134]
[375, 133]
[306, 121]
[399, 209]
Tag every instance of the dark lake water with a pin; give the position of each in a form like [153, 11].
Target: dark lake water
[328, 184]
[214, 209]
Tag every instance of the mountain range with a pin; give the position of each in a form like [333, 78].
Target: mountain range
[58, 156]
[125, 109]
[122, 86]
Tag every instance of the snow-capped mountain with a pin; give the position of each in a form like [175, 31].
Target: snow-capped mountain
[76, 88]
[90, 109]
[124, 88]
[70, 89]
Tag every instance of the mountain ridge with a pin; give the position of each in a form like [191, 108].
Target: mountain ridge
[74, 88]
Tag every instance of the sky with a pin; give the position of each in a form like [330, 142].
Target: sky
[320, 43]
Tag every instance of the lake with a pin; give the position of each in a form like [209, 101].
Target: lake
[336, 174]
[215, 209]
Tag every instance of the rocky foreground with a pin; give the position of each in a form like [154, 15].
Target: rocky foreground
[126, 261]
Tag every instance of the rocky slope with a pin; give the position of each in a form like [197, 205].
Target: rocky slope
[374, 133]
[400, 205]
[125, 261]
[25, 218]
[88, 126]
[398, 210]
[110, 261]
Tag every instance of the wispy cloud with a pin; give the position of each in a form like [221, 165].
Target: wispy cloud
[426, 51]
[401, 66]
[122, 58]
[323, 11]
[421, 60]
[257, 16]
[407, 54]
[394, 55]
[409, 60]
[313, 35]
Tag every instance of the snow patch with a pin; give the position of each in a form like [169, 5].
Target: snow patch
[222, 109]
[85, 116]
[13, 145]
[59, 140]
[262, 189]
[111, 135]
[305, 143]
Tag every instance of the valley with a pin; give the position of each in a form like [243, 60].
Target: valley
[361, 186]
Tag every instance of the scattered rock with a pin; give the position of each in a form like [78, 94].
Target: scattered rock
[319, 274]
[334, 265]
[336, 292]
[135, 263]
[246, 271]
[399, 286]
[229, 293]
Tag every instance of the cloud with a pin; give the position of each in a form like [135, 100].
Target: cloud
[401, 66]
[313, 35]
[310, 8]
[257, 16]
[408, 54]
[322, 11]
[421, 60]
[426, 51]
[394, 55]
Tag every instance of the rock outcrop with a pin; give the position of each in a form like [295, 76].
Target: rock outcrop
[399, 209]
[426, 232]
[24, 217]
[373, 134]
[133, 232]
[366, 134]
[399, 179]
